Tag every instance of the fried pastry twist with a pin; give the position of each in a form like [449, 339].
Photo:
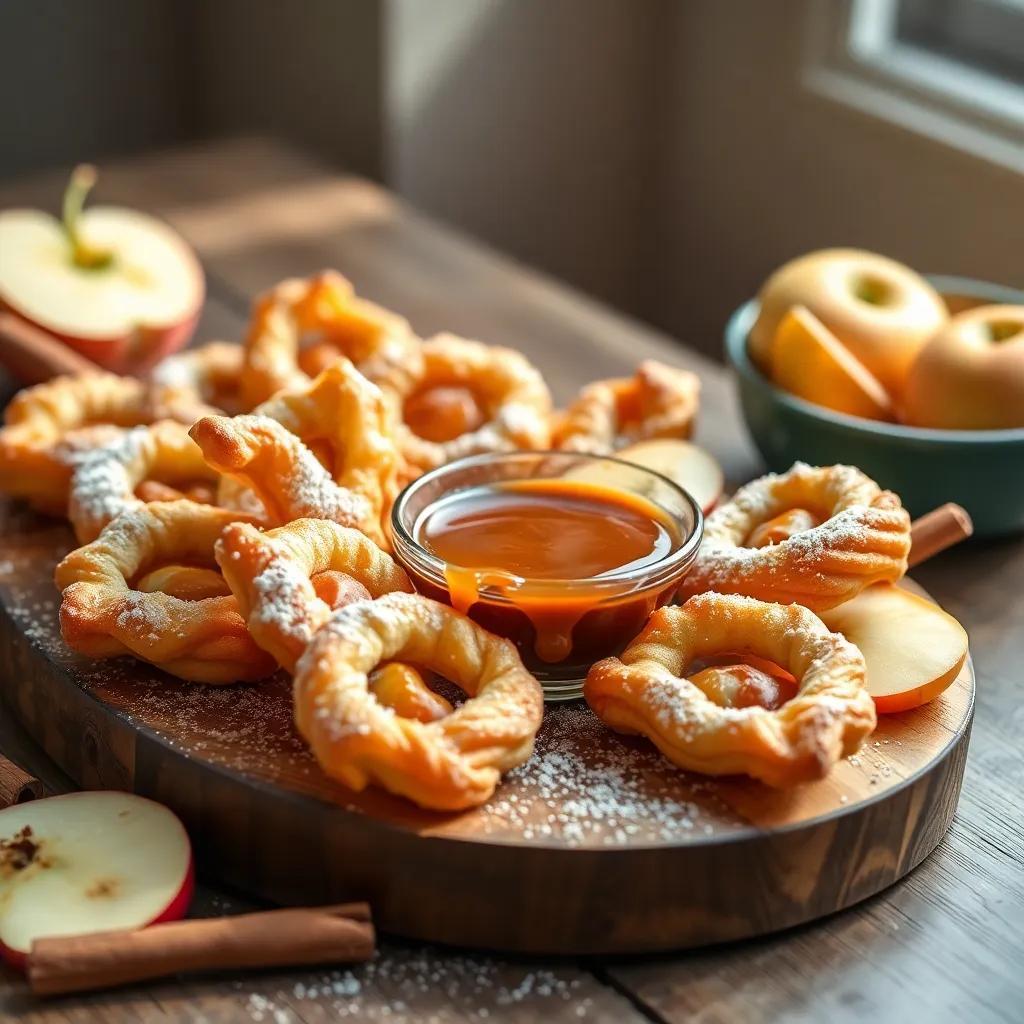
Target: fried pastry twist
[281, 473]
[344, 421]
[657, 401]
[646, 691]
[448, 764]
[272, 576]
[106, 478]
[513, 400]
[380, 343]
[347, 422]
[104, 613]
[209, 375]
[863, 538]
[46, 427]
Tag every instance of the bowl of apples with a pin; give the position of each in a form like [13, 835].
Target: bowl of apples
[847, 356]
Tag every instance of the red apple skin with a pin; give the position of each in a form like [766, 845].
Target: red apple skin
[175, 911]
[896, 702]
[132, 354]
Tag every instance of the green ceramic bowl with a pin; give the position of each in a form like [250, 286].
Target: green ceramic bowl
[983, 470]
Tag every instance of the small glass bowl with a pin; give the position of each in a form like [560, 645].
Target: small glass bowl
[616, 605]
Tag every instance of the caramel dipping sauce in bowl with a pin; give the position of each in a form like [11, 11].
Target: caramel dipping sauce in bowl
[564, 554]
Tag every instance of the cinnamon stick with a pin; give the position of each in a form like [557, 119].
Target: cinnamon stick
[275, 938]
[937, 530]
[32, 356]
[16, 786]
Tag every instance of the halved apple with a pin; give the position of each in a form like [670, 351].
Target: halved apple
[913, 649]
[89, 862]
[684, 463]
[117, 285]
[807, 360]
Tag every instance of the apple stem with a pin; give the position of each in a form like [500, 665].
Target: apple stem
[83, 255]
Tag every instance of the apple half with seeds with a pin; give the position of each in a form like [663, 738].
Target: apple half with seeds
[89, 862]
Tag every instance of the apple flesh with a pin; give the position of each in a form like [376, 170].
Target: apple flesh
[684, 463]
[117, 285]
[882, 311]
[89, 862]
[912, 648]
[808, 361]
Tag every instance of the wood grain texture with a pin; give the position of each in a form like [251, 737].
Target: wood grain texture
[16, 785]
[946, 943]
[652, 863]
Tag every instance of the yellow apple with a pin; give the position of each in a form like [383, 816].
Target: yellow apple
[912, 648]
[970, 376]
[807, 360]
[882, 311]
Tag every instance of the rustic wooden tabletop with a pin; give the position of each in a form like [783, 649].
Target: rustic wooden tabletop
[947, 943]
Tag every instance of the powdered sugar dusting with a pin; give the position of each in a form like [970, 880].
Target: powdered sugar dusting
[844, 493]
[309, 491]
[283, 600]
[585, 786]
[101, 487]
[433, 986]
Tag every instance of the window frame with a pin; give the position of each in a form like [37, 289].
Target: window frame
[853, 58]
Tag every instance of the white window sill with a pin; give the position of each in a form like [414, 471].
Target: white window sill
[853, 60]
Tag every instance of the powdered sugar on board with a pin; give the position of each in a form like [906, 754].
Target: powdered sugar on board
[584, 787]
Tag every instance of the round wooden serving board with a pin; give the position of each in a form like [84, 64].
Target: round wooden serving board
[597, 845]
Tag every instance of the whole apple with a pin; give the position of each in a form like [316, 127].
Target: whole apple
[970, 376]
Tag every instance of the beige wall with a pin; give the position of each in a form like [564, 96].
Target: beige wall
[532, 124]
[665, 155]
[660, 154]
[305, 70]
[758, 169]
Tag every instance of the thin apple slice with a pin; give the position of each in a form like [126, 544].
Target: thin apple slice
[89, 862]
[808, 361]
[684, 463]
[913, 649]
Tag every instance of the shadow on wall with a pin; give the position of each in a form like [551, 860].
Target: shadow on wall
[535, 126]
[667, 157]
[662, 156]
[759, 169]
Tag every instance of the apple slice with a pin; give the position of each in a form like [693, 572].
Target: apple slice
[913, 649]
[682, 462]
[89, 862]
[808, 361]
[117, 285]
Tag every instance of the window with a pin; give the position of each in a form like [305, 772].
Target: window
[950, 69]
[987, 35]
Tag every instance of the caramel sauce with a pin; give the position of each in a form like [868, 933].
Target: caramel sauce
[554, 564]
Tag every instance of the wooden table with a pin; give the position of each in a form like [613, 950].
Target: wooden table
[945, 944]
